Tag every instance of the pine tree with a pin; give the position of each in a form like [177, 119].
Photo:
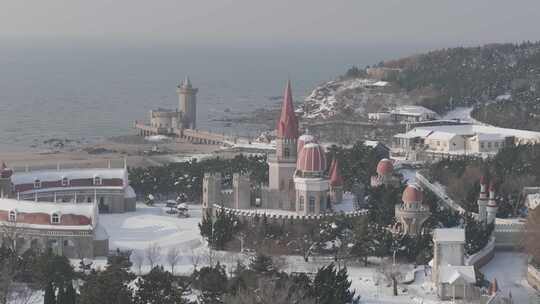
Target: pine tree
[70, 294]
[331, 286]
[49, 297]
[261, 264]
[158, 287]
[212, 282]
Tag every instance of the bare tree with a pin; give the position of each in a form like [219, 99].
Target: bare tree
[195, 259]
[152, 253]
[392, 273]
[174, 256]
[10, 234]
[137, 258]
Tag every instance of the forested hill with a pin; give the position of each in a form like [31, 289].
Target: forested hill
[477, 76]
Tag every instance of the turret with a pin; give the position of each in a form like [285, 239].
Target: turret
[492, 207]
[482, 200]
[6, 186]
[336, 183]
[385, 171]
[187, 99]
[211, 192]
[241, 191]
[412, 213]
[310, 181]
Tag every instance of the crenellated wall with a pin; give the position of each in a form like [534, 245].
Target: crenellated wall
[252, 216]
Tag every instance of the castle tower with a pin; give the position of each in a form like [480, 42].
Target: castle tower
[482, 201]
[211, 191]
[310, 182]
[6, 186]
[241, 191]
[448, 249]
[187, 98]
[336, 183]
[282, 165]
[385, 171]
[492, 207]
[412, 213]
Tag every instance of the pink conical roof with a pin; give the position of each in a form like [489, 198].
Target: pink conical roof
[288, 124]
[335, 177]
[311, 158]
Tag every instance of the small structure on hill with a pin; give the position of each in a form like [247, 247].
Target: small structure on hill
[412, 213]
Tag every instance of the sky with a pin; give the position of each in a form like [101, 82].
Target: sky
[273, 22]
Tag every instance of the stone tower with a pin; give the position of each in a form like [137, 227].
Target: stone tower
[492, 207]
[241, 191]
[6, 186]
[448, 249]
[412, 213]
[282, 165]
[211, 191]
[336, 183]
[482, 201]
[187, 97]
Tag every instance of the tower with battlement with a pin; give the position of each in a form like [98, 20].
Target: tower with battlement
[282, 164]
[187, 99]
[6, 186]
[241, 191]
[491, 208]
[211, 191]
[412, 213]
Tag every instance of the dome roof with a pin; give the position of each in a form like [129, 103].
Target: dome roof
[412, 194]
[305, 139]
[5, 172]
[385, 167]
[311, 158]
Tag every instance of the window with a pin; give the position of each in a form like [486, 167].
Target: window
[496, 144]
[286, 152]
[12, 216]
[438, 143]
[55, 218]
[311, 204]
[482, 145]
[301, 205]
[489, 144]
[97, 181]
[89, 199]
[65, 181]
[37, 184]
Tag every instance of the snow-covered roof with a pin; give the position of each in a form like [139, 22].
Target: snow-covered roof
[55, 175]
[449, 235]
[441, 135]
[130, 193]
[452, 274]
[413, 110]
[84, 209]
[471, 130]
[490, 137]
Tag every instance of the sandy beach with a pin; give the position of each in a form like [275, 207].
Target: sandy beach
[138, 152]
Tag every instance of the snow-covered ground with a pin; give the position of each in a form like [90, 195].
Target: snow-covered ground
[510, 270]
[461, 113]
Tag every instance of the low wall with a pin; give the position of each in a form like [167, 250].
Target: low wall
[533, 277]
[250, 216]
[483, 256]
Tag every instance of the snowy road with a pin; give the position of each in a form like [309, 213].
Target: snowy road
[510, 268]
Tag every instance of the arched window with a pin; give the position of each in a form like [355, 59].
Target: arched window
[301, 205]
[286, 152]
[55, 218]
[97, 181]
[311, 204]
[12, 216]
[37, 184]
[65, 181]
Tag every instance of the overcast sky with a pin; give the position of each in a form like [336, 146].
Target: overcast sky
[258, 22]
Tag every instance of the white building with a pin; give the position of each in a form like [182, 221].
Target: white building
[404, 114]
[432, 142]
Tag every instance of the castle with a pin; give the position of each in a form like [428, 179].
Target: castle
[299, 181]
[166, 121]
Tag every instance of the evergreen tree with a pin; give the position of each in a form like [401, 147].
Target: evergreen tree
[219, 230]
[158, 287]
[49, 296]
[212, 282]
[71, 294]
[107, 287]
[261, 264]
[331, 286]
